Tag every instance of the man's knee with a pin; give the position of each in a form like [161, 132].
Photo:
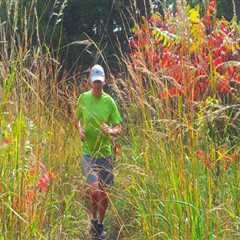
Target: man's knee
[98, 194]
[93, 190]
[103, 201]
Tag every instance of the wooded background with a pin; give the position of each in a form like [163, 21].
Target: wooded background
[64, 24]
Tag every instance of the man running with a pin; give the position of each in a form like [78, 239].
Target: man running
[99, 121]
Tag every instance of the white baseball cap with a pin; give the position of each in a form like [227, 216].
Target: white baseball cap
[97, 73]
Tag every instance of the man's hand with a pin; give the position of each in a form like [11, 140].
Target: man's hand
[106, 129]
[82, 133]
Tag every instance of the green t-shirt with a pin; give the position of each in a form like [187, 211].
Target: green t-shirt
[92, 113]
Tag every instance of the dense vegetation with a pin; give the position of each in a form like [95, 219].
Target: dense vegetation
[178, 90]
[63, 24]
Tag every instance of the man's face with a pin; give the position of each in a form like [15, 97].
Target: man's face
[97, 87]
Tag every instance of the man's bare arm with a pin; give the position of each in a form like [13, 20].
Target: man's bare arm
[112, 131]
[80, 129]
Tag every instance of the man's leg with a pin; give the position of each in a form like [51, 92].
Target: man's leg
[106, 180]
[102, 203]
[98, 201]
[93, 209]
[99, 176]
[91, 189]
[92, 200]
[99, 204]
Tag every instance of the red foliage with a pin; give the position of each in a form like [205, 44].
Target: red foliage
[218, 47]
[30, 197]
[203, 156]
[43, 183]
[212, 7]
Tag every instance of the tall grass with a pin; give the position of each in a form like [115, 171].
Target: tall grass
[37, 137]
[163, 190]
[177, 193]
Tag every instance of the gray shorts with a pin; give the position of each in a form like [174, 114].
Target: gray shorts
[98, 169]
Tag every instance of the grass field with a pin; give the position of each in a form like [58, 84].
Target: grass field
[177, 174]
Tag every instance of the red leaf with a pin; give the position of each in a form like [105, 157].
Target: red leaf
[218, 61]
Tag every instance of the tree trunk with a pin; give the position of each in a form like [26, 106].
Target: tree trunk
[237, 8]
[225, 9]
[144, 7]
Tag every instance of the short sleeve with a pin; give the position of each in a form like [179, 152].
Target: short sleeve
[115, 117]
[79, 107]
